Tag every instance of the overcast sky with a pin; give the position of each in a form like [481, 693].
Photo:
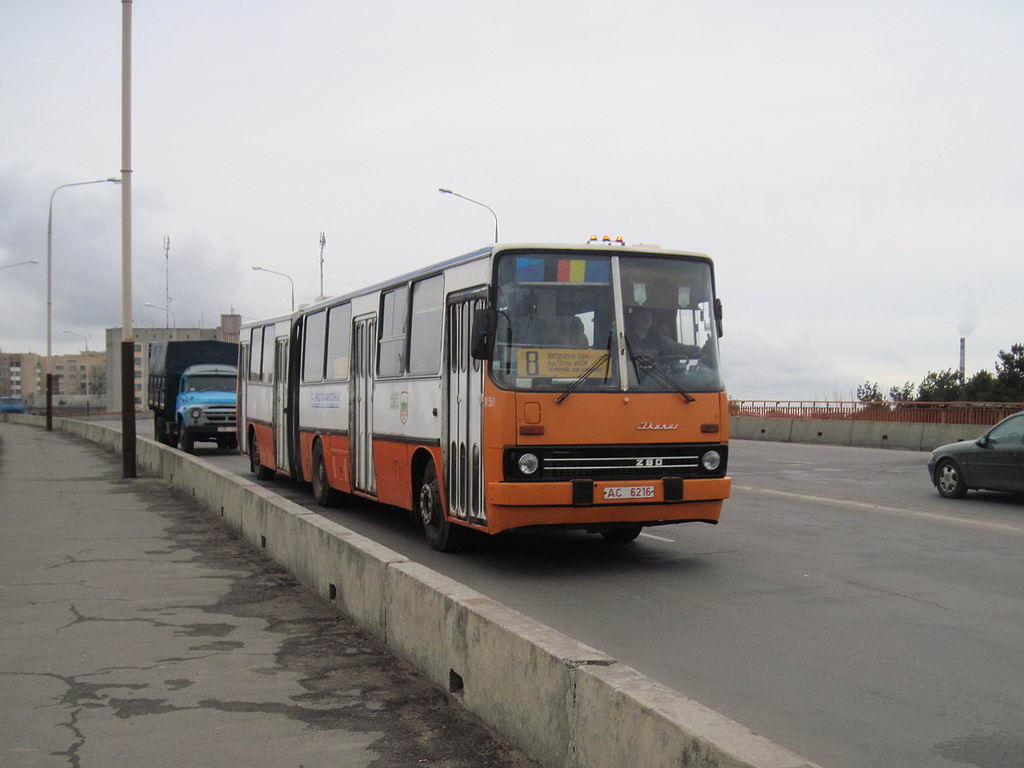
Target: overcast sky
[855, 169]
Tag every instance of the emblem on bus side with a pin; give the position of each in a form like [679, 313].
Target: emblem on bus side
[646, 425]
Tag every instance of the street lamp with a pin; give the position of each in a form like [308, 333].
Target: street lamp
[166, 311]
[445, 191]
[49, 257]
[282, 274]
[19, 263]
[80, 335]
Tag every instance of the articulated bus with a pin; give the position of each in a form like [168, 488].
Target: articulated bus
[515, 386]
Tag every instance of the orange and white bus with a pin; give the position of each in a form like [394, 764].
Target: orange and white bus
[518, 385]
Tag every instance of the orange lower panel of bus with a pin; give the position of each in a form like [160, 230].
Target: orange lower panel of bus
[514, 505]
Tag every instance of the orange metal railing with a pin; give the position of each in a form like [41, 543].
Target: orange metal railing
[982, 414]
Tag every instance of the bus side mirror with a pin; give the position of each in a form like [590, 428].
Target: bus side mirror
[481, 343]
[718, 317]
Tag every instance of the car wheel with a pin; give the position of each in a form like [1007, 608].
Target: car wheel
[325, 495]
[622, 535]
[441, 534]
[950, 480]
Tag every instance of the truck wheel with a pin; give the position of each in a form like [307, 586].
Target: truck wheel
[185, 440]
[441, 534]
[325, 495]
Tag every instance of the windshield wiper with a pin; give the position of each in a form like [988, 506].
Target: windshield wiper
[583, 377]
[650, 365]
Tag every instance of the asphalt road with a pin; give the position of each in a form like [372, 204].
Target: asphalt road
[841, 608]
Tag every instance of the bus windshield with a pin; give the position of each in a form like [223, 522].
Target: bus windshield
[559, 320]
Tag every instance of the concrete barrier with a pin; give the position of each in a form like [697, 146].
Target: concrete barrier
[823, 431]
[560, 701]
[862, 434]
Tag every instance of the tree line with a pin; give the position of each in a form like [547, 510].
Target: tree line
[1006, 385]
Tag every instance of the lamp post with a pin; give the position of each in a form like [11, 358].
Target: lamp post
[166, 311]
[19, 263]
[49, 290]
[282, 274]
[79, 335]
[49, 257]
[445, 191]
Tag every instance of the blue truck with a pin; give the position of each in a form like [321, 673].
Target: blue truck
[193, 393]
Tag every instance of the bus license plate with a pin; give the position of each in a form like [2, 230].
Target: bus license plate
[625, 492]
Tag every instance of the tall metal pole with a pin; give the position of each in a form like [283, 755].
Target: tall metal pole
[323, 242]
[128, 337]
[167, 280]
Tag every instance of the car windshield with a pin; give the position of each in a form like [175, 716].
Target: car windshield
[211, 384]
[558, 323]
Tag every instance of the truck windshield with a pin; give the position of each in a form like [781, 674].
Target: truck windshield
[210, 384]
[558, 323]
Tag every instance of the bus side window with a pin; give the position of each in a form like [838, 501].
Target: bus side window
[339, 339]
[313, 347]
[391, 345]
[255, 353]
[425, 328]
[268, 353]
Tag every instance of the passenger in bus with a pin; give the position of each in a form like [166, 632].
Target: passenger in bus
[559, 330]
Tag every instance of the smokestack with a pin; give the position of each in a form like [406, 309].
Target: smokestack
[963, 345]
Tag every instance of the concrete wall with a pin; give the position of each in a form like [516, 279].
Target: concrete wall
[863, 434]
[560, 701]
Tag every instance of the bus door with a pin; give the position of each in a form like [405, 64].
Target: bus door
[464, 383]
[364, 338]
[281, 406]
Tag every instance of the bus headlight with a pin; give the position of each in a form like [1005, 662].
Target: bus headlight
[528, 463]
[196, 413]
[711, 460]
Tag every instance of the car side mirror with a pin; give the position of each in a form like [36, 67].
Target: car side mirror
[982, 441]
[481, 343]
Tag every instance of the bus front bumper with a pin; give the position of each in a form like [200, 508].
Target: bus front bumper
[585, 502]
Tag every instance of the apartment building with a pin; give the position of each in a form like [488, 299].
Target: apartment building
[23, 374]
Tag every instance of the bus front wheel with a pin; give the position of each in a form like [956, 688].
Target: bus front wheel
[441, 534]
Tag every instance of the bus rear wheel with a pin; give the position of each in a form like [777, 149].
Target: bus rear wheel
[261, 472]
[325, 495]
[441, 534]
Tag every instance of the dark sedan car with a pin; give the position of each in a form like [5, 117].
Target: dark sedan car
[995, 461]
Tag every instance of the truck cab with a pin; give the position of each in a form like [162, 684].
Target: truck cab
[205, 408]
